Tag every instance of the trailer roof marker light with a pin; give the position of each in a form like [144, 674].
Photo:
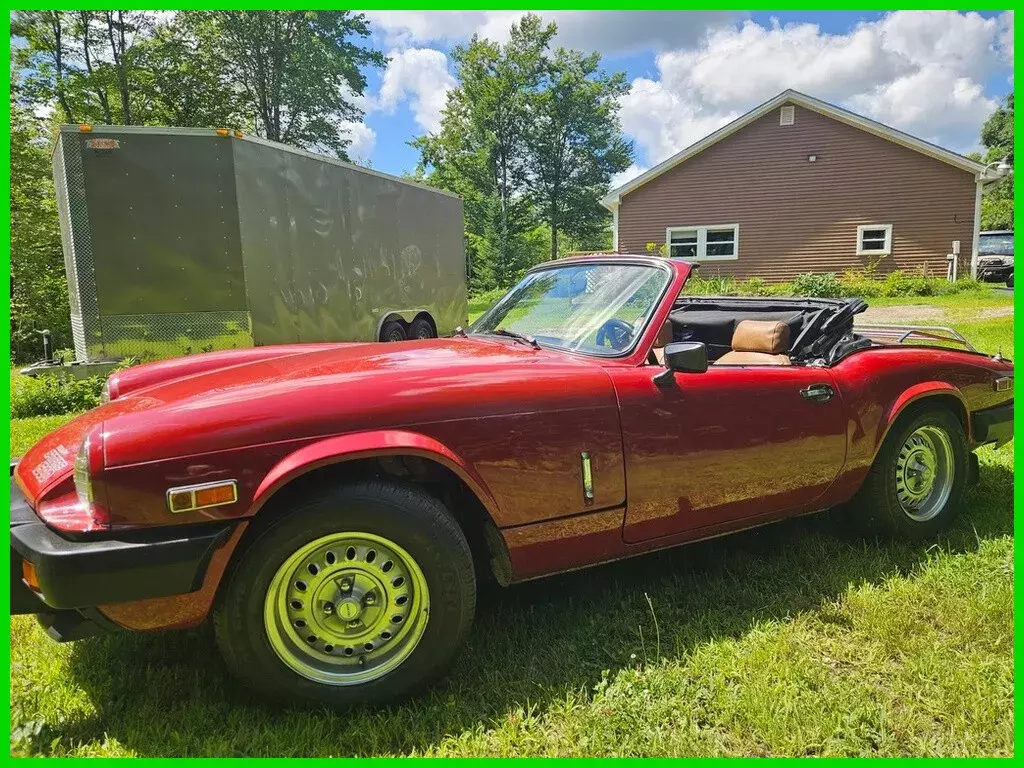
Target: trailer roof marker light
[85, 127]
[239, 135]
[223, 132]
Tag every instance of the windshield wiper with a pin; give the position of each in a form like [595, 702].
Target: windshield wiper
[517, 336]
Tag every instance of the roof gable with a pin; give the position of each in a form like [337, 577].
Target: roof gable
[815, 105]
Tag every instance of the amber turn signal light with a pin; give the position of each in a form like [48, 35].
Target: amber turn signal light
[188, 498]
[223, 132]
[28, 575]
[85, 128]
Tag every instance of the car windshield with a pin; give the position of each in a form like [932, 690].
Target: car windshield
[598, 309]
[997, 244]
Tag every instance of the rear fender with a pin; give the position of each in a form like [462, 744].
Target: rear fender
[919, 392]
[364, 445]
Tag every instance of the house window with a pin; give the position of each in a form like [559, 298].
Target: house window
[711, 243]
[874, 239]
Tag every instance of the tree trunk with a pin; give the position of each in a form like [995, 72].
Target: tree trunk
[101, 93]
[117, 50]
[58, 62]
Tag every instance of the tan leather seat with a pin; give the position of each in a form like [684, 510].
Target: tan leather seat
[663, 339]
[758, 342]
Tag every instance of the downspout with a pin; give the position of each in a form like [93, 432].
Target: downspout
[977, 228]
[615, 228]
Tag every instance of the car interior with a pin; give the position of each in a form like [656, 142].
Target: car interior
[763, 331]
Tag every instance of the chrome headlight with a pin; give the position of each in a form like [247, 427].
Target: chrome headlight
[82, 476]
[105, 392]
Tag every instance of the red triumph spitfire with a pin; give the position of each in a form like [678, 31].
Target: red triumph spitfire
[331, 506]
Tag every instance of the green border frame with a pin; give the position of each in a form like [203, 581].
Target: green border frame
[542, 5]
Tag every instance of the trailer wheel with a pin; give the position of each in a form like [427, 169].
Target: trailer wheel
[421, 328]
[393, 330]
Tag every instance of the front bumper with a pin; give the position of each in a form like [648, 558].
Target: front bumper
[74, 576]
[993, 425]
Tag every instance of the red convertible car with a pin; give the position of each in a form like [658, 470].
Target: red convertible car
[332, 506]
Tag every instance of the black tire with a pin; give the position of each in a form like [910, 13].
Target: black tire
[393, 330]
[1009, 281]
[403, 514]
[421, 328]
[876, 509]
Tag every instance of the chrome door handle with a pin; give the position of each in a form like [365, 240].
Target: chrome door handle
[817, 393]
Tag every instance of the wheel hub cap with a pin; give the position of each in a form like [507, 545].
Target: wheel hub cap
[924, 473]
[346, 608]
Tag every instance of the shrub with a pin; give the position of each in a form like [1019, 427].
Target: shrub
[50, 395]
[824, 286]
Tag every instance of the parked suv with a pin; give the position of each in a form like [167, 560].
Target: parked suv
[995, 257]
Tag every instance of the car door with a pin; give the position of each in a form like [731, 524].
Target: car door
[735, 442]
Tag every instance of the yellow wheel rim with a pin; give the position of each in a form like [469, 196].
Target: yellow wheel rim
[347, 608]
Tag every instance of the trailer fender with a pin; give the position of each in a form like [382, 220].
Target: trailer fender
[404, 315]
[917, 393]
[364, 445]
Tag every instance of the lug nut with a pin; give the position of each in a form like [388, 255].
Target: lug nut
[346, 585]
[328, 608]
[370, 599]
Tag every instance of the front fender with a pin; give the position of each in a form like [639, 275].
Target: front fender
[916, 393]
[363, 445]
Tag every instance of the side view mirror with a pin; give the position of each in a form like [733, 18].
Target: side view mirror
[683, 357]
[687, 357]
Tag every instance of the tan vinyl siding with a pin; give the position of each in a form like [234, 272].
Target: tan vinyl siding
[795, 216]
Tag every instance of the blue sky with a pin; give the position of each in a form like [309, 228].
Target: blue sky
[936, 75]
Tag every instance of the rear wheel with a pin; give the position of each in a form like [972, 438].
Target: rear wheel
[917, 482]
[393, 330]
[421, 328]
[1009, 281]
[362, 595]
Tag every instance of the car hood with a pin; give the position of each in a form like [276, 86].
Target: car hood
[326, 391]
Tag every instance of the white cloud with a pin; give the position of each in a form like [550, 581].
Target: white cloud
[918, 71]
[363, 140]
[421, 76]
[605, 31]
[629, 174]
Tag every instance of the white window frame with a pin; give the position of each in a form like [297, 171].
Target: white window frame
[702, 240]
[860, 239]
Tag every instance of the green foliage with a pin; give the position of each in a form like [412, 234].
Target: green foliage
[297, 73]
[529, 139]
[39, 291]
[53, 395]
[575, 144]
[853, 284]
[824, 286]
[997, 137]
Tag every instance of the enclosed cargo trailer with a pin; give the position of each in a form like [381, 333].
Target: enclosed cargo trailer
[186, 240]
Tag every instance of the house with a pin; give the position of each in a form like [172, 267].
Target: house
[798, 185]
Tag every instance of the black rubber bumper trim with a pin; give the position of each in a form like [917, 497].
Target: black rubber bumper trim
[127, 566]
[993, 425]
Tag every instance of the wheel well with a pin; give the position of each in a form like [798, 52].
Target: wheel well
[940, 400]
[485, 542]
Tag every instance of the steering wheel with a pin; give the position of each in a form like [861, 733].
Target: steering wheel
[618, 334]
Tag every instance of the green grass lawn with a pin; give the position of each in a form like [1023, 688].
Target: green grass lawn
[794, 639]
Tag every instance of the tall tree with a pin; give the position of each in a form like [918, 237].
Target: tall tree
[298, 72]
[39, 291]
[530, 139]
[180, 81]
[575, 145]
[997, 137]
[481, 150]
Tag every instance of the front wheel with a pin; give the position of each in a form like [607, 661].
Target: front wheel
[916, 485]
[362, 595]
[1009, 281]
